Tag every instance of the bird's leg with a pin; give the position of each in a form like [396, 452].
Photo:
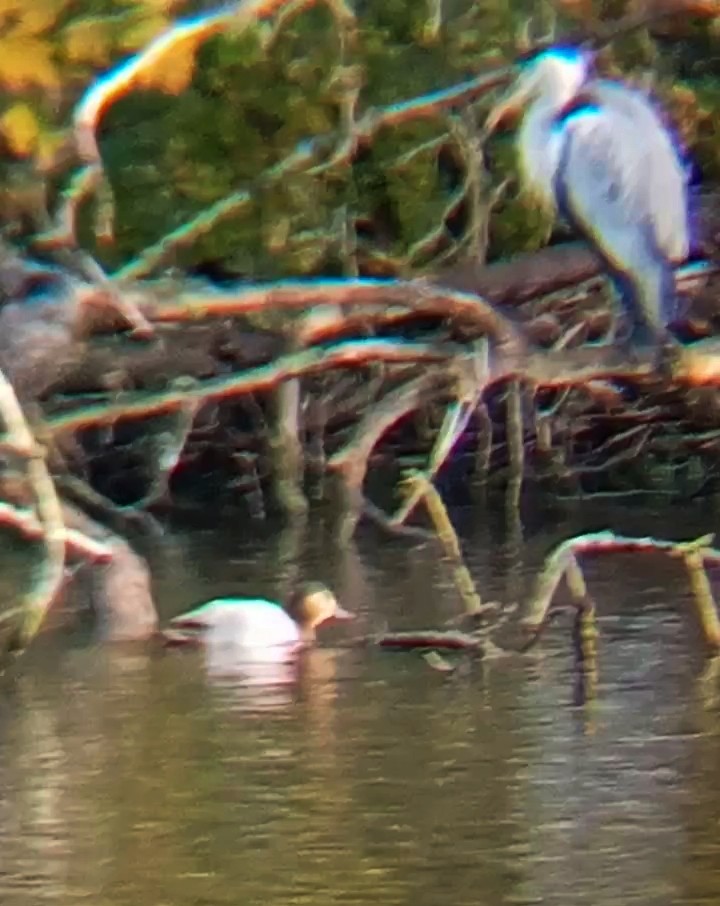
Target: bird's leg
[656, 347]
[647, 295]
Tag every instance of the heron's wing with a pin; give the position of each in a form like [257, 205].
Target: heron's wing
[652, 159]
[605, 186]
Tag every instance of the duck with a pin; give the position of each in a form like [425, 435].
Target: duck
[256, 630]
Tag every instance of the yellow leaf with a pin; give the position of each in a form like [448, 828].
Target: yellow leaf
[27, 62]
[173, 72]
[142, 32]
[160, 6]
[37, 17]
[20, 128]
[10, 9]
[88, 41]
[167, 7]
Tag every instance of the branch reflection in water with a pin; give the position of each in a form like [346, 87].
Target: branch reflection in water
[375, 780]
[33, 775]
[604, 790]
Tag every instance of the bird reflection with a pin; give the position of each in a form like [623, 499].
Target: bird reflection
[310, 677]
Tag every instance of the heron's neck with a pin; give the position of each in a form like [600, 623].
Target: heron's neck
[557, 93]
[540, 144]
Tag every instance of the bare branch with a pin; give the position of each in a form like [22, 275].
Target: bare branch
[351, 462]
[39, 597]
[472, 377]
[695, 554]
[417, 483]
[417, 296]
[265, 377]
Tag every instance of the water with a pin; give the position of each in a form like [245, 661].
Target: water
[126, 778]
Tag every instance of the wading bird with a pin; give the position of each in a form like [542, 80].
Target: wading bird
[596, 152]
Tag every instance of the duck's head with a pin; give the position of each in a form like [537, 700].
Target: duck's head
[314, 604]
[553, 72]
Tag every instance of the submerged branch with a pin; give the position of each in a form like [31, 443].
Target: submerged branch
[420, 485]
[562, 563]
[48, 580]
[351, 462]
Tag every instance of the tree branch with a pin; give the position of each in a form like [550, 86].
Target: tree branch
[48, 580]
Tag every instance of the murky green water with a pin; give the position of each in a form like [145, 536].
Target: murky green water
[127, 778]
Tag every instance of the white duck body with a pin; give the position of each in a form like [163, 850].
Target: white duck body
[242, 633]
[243, 630]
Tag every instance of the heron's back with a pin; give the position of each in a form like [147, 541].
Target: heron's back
[608, 186]
[656, 179]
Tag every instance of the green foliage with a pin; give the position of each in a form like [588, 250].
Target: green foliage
[705, 142]
[695, 112]
[517, 223]
[213, 117]
[247, 109]
[49, 50]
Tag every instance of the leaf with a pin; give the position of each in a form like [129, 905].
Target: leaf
[21, 129]
[27, 63]
[158, 6]
[88, 41]
[141, 32]
[173, 72]
[37, 17]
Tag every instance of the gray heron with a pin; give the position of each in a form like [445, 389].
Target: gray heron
[595, 152]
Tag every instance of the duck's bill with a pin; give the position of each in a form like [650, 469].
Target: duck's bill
[342, 614]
